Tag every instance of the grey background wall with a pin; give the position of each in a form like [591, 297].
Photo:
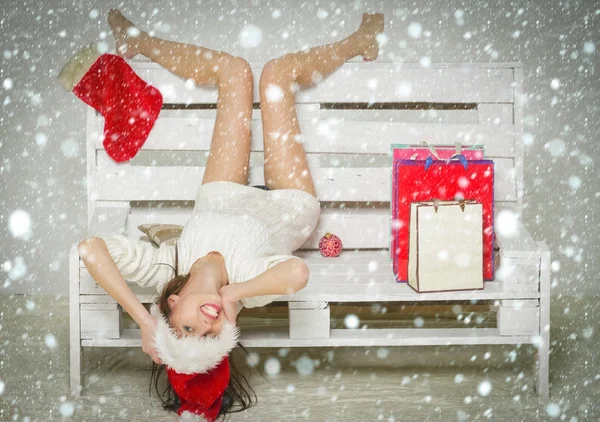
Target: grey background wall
[42, 127]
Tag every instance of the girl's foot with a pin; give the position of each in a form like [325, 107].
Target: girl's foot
[128, 37]
[371, 26]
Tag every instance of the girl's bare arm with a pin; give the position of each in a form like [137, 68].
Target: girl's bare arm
[100, 264]
[282, 279]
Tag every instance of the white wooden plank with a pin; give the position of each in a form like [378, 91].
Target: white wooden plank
[518, 274]
[358, 275]
[163, 158]
[518, 321]
[460, 85]
[93, 136]
[190, 115]
[345, 337]
[495, 114]
[394, 82]
[387, 337]
[382, 290]
[143, 297]
[529, 303]
[367, 228]
[423, 115]
[309, 323]
[543, 355]
[74, 324]
[130, 337]
[518, 122]
[148, 183]
[307, 305]
[141, 62]
[101, 321]
[378, 288]
[108, 220]
[88, 285]
[339, 135]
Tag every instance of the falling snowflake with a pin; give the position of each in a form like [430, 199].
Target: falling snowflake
[305, 365]
[272, 366]
[484, 388]
[50, 341]
[66, 409]
[553, 410]
[351, 321]
[415, 29]
[41, 139]
[383, 352]
[589, 47]
[18, 269]
[372, 266]
[574, 182]
[419, 322]
[253, 359]
[250, 36]
[70, 148]
[19, 224]
[274, 93]
[507, 223]
[425, 62]
[556, 147]
[322, 14]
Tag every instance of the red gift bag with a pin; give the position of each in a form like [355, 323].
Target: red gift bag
[443, 180]
[424, 151]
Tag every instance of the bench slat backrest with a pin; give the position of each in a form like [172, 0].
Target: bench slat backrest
[348, 122]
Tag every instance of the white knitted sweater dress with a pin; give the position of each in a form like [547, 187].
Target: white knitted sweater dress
[252, 228]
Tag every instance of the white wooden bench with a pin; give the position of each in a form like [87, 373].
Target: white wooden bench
[348, 122]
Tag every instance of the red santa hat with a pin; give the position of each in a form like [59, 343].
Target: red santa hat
[197, 368]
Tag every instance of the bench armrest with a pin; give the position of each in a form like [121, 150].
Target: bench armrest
[108, 220]
[518, 244]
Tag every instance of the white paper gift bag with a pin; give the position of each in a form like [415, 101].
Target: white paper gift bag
[446, 246]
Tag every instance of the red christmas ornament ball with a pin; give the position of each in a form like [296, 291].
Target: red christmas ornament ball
[330, 245]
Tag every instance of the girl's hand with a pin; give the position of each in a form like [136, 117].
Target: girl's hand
[148, 329]
[229, 303]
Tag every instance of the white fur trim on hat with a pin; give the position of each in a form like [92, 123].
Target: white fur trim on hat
[191, 355]
[191, 417]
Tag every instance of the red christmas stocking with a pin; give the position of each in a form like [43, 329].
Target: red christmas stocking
[129, 105]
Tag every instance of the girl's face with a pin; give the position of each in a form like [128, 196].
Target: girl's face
[197, 309]
[197, 314]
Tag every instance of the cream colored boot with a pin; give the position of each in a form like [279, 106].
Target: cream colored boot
[77, 66]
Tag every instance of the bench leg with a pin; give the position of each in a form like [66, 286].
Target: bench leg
[74, 325]
[309, 319]
[518, 317]
[543, 353]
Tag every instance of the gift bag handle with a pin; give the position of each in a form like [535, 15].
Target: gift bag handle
[461, 204]
[434, 152]
[458, 157]
[431, 149]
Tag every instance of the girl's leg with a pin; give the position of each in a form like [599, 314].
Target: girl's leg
[286, 166]
[230, 146]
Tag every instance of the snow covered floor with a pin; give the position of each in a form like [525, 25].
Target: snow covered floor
[346, 384]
